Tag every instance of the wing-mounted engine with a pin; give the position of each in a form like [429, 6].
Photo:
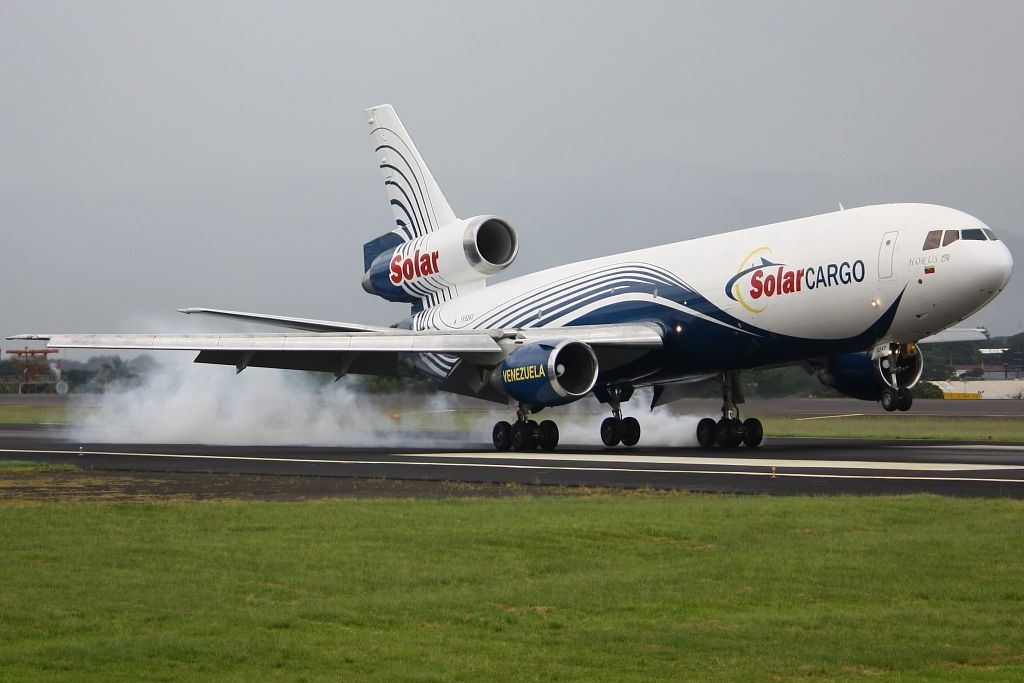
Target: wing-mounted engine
[547, 373]
[439, 265]
[857, 375]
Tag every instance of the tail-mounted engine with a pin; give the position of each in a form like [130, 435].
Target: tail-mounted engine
[859, 376]
[547, 373]
[439, 265]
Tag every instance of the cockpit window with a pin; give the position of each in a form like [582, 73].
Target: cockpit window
[973, 234]
[932, 240]
[950, 236]
[991, 235]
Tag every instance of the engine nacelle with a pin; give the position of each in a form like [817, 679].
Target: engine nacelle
[459, 256]
[547, 373]
[858, 376]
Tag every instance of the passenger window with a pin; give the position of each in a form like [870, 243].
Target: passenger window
[950, 237]
[932, 240]
[991, 235]
[974, 234]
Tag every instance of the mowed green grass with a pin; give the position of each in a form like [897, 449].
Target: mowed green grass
[33, 414]
[595, 588]
[33, 466]
[899, 426]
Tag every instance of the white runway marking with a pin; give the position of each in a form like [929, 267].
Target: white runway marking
[763, 465]
[827, 417]
[973, 447]
[737, 462]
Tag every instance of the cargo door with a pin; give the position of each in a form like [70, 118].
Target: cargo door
[886, 253]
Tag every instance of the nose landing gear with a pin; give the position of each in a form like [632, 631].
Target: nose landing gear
[897, 399]
[891, 367]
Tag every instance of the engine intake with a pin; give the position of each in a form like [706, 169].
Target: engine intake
[547, 373]
[490, 244]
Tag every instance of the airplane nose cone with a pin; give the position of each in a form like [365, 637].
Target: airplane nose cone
[1001, 266]
[993, 266]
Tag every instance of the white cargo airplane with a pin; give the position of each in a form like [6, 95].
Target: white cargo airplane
[847, 294]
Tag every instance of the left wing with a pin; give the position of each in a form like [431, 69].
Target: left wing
[373, 352]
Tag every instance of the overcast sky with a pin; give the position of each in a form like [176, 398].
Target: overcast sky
[163, 155]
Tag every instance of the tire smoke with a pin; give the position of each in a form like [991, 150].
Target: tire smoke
[180, 402]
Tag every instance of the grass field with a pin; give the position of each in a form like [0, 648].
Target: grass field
[33, 414]
[31, 466]
[900, 426]
[609, 587]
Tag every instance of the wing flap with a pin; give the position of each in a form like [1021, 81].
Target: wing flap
[643, 335]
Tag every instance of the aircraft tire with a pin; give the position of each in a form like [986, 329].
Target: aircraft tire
[611, 432]
[536, 434]
[522, 437]
[706, 432]
[753, 432]
[729, 433]
[548, 435]
[890, 398]
[502, 436]
[904, 399]
[630, 431]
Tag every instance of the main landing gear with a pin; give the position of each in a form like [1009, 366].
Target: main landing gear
[616, 429]
[730, 431]
[525, 434]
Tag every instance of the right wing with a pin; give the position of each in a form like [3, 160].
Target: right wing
[957, 334]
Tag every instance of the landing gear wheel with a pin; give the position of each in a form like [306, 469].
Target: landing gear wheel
[630, 427]
[890, 399]
[523, 437]
[611, 432]
[502, 436]
[729, 433]
[753, 432]
[548, 438]
[904, 399]
[706, 432]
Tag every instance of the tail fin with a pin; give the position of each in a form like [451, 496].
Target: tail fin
[418, 204]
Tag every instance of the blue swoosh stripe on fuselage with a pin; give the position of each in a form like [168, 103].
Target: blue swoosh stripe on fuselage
[505, 314]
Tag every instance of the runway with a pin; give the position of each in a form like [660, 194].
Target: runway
[783, 466]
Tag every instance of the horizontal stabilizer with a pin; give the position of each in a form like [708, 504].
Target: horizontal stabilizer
[308, 324]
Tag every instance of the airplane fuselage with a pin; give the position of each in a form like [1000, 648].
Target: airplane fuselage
[780, 293]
